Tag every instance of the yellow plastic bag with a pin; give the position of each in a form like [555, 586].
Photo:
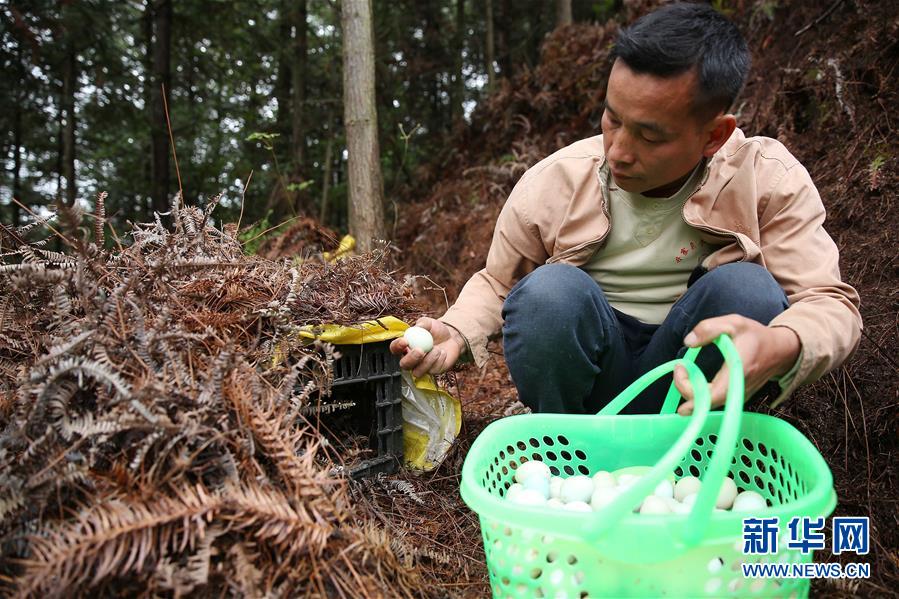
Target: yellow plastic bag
[432, 418]
[344, 249]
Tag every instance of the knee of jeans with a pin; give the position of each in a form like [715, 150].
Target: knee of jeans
[550, 288]
[745, 288]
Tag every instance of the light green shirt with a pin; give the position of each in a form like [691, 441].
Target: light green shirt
[649, 253]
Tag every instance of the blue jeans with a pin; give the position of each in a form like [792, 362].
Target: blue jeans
[569, 351]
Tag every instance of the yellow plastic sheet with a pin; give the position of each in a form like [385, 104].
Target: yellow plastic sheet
[344, 249]
[432, 417]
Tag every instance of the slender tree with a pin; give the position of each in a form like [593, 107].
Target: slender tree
[563, 13]
[160, 11]
[17, 168]
[490, 50]
[283, 79]
[503, 29]
[299, 70]
[457, 99]
[326, 175]
[366, 206]
[69, 82]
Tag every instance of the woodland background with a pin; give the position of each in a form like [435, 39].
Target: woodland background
[83, 109]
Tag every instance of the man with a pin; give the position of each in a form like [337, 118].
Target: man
[665, 231]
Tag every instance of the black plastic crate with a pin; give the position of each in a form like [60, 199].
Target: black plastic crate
[369, 376]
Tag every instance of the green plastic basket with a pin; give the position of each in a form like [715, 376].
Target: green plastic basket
[537, 551]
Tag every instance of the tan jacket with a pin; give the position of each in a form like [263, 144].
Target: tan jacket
[755, 200]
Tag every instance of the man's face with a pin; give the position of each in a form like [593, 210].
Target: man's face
[651, 136]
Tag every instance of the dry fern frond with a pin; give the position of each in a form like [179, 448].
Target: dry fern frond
[144, 430]
[271, 519]
[244, 578]
[100, 219]
[114, 538]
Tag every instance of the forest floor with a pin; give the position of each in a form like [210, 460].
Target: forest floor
[823, 82]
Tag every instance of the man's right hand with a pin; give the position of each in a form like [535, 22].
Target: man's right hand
[448, 346]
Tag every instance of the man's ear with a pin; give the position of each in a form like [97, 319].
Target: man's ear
[718, 132]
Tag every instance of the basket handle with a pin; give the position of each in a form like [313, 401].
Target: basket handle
[725, 445]
[609, 516]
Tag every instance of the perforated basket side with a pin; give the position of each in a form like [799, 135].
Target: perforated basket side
[544, 554]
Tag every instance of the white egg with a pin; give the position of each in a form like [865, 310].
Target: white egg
[664, 489]
[603, 479]
[690, 499]
[529, 469]
[726, 494]
[679, 508]
[603, 496]
[537, 483]
[654, 505]
[578, 506]
[514, 490]
[625, 481]
[576, 488]
[419, 338]
[686, 486]
[715, 564]
[555, 486]
[749, 501]
[529, 497]
[555, 502]
[671, 502]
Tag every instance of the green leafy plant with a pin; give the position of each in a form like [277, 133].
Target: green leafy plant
[252, 237]
[299, 186]
[266, 139]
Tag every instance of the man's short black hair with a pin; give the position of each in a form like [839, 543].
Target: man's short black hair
[679, 37]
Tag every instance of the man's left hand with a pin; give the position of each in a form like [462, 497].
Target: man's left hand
[766, 352]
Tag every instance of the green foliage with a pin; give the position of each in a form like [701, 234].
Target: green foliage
[766, 8]
[230, 98]
[267, 139]
[877, 164]
[605, 9]
[722, 7]
[252, 237]
[302, 186]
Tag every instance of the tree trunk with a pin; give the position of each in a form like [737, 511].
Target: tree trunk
[69, 81]
[490, 50]
[502, 27]
[298, 131]
[432, 51]
[161, 60]
[14, 215]
[563, 13]
[457, 99]
[366, 206]
[60, 129]
[284, 76]
[326, 178]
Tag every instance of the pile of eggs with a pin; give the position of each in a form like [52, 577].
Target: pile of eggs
[535, 485]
